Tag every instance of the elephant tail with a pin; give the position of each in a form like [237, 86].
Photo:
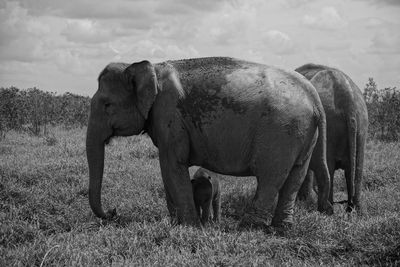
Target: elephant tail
[324, 182]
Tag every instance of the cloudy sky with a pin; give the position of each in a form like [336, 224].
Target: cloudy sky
[59, 45]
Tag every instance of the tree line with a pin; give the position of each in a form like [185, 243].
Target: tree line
[33, 110]
[383, 111]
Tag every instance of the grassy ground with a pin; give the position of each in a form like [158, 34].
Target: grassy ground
[45, 217]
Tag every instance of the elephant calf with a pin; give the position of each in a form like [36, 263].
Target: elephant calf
[206, 193]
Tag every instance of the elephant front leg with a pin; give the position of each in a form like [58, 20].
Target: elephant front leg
[205, 213]
[179, 193]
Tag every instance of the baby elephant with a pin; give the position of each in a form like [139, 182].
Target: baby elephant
[206, 192]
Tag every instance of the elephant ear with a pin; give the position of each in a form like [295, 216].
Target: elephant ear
[143, 78]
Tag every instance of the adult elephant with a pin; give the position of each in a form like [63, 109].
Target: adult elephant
[347, 127]
[229, 116]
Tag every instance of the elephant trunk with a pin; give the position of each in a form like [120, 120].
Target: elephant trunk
[95, 141]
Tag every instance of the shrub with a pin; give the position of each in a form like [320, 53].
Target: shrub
[50, 140]
[32, 110]
[383, 111]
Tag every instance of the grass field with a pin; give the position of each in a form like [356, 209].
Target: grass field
[45, 217]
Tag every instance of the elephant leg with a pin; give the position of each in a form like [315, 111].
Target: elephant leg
[350, 170]
[359, 172]
[170, 204]
[283, 216]
[179, 192]
[258, 214]
[216, 203]
[307, 191]
[349, 186]
[331, 168]
[271, 168]
[205, 212]
[322, 184]
[197, 206]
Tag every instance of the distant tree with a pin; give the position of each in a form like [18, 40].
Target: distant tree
[33, 110]
[383, 111]
[11, 115]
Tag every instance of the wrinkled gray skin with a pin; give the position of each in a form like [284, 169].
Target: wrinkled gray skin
[229, 116]
[206, 193]
[347, 127]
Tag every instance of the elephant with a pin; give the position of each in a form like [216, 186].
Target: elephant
[227, 115]
[347, 128]
[206, 193]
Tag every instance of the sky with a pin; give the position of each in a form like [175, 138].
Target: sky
[60, 46]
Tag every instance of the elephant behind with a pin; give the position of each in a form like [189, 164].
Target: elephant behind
[347, 127]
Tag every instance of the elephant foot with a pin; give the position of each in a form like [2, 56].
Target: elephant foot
[280, 229]
[253, 221]
[205, 222]
[285, 222]
[310, 200]
[326, 208]
[190, 221]
[110, 217]
[359, 209]
[308, 196]
[350, 208]
[111, 214]
[312, 197]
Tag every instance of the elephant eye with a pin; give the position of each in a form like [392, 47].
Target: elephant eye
[107, 105]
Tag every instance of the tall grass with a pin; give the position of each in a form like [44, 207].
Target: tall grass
[45, 218]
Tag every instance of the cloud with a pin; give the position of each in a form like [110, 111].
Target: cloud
[386, 41]
[68, 39]
[70, 62]
[278, 42]
[188, 6]
[296, 3]
[333, 45]
[28, 50]
[232, 25]
[328, 19]
[133, 50]
[21, 36]
[86, 31]
[383, 2]
[175, 30]
[16, 23]
[374, 22]
[116, 9]
[136, 10]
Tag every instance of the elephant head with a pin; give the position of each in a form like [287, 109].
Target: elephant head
[120, 107]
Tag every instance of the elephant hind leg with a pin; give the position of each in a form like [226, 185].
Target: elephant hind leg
[257, 215]
[359, 172]
[287, 195]
[306, 191]
[350, 196]
[350, 171]
[216, 204]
